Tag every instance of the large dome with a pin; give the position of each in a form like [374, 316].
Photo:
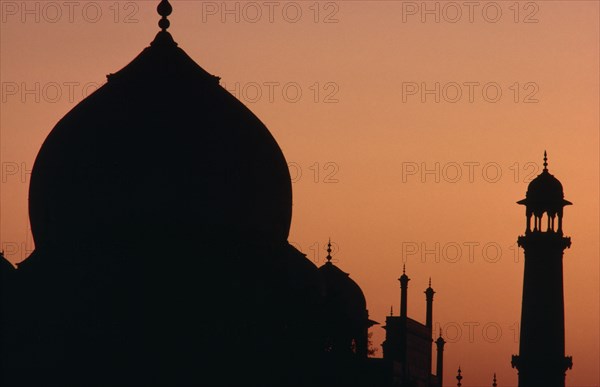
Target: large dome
[160, 207]
[161, 150]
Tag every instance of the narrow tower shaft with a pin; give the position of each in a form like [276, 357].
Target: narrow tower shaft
[541, 359]
[429, 292]
[403, 292]
[439, 373]
[403, 328]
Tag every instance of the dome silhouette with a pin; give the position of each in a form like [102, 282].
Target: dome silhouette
[160, 208]
[545, 188]
[342, 292]
[160, 151]
[545, 193]
[345, 319]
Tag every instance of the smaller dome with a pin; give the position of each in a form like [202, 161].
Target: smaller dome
[342, 291]
[344, 299]
[545, 188]
[545, 192]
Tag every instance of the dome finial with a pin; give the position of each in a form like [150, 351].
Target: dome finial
[164, 9]
[329, 250]
[459, 377]
[404, 269]
[545, 162]
[429, 281]
[495, 384]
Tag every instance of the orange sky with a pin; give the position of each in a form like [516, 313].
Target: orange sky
[378, 164]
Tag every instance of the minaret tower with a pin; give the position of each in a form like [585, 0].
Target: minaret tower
[440, 359]
[429, 292]
[403, 292]
[541, 360]
[403, 326]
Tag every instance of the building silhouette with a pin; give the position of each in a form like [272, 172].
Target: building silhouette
[161, 206]
[345, 322]
[408, 343]
[541, 360]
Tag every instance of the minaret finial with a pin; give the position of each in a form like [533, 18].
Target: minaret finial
[329, 251]
[404, 269]
[440, 332]
[164, 9]
[459, 377]
[495, 384]
[545, 162]
[391, 310]
[429, 281]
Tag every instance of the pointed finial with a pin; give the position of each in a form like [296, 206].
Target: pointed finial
[545, 162]
[429, 281]
[404, 278]
[164, 9]
[391, 310]
[440, 341]
[495, 384]
[459, 377]
[329, 251]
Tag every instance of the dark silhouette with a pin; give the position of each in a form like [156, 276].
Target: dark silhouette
[160, 208]
[408, 343]
[346, 323]
[541, 360]
[439, 372]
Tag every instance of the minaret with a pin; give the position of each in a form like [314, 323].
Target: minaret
[429, 292]
[440, 359]
[403, 292]
[403, 329]
[541, 360]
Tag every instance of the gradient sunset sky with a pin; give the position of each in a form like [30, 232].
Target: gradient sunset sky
[411, 130]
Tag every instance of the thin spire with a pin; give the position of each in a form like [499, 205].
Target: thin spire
[545, 162]
[440, 332]
[329, 251]
[495, 384]
[429, 281]
[164, 9]
[459, 377]
[404, 277]
[391, 310]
